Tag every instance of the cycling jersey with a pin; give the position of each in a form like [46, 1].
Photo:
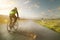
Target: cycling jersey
[13, 12]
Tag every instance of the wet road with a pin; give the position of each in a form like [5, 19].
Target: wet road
[28, 26]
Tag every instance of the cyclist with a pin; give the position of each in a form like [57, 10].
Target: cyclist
[13, 17]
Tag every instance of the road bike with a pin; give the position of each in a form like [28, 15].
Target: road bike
[12, 28]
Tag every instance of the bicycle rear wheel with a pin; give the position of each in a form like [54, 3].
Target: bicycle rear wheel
[8, 27]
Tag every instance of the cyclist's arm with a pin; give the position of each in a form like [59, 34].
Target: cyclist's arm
[17, 14]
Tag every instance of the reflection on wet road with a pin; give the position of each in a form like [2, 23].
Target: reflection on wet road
[29, 30]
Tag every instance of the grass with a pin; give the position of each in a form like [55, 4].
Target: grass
[51, 24]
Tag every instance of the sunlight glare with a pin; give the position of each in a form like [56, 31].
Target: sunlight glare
[6, 6]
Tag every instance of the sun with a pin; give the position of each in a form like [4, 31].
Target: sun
[6, 6]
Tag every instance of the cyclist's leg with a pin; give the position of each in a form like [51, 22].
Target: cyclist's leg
[14, 20]
[10, 25]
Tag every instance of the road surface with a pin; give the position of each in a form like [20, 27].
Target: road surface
[40, 32]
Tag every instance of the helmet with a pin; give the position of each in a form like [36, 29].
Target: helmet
[15, 8]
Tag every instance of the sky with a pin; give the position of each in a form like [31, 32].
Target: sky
[34, 9]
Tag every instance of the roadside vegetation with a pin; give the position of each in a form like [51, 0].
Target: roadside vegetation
[53, 24]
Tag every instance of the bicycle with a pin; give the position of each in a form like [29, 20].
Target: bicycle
[14, 28]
